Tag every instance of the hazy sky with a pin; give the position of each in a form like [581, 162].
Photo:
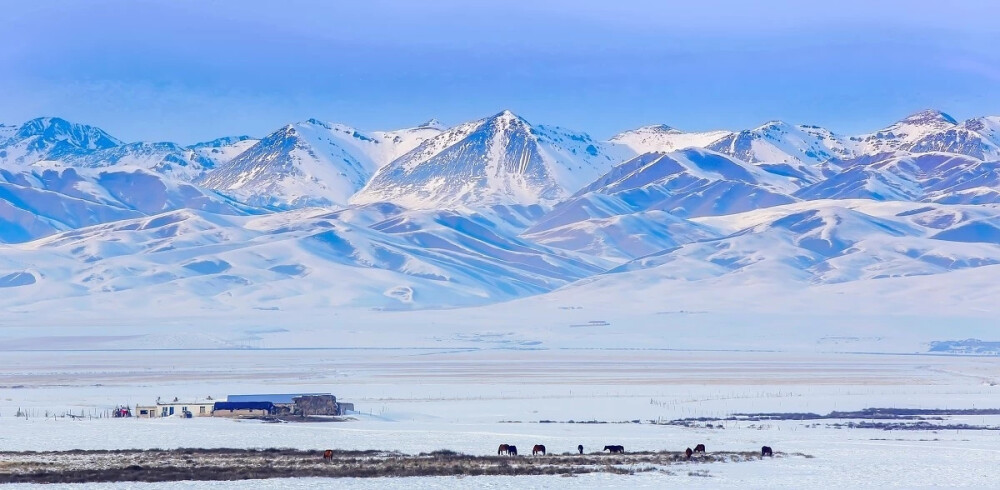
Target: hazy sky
[189, 71]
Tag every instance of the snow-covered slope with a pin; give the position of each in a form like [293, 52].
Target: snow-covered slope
[663, 138]
[222, 150]
[40, 201]
[820, 242]
[494, 161]
[624, 237]
[301, 257]
[938, 177]
[686, 183]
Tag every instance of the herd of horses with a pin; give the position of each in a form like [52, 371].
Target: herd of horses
[511, 450]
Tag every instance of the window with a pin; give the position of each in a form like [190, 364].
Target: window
[202, 409]
[171, 410]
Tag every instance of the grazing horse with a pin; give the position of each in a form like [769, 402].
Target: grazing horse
[503, 449]
[512, 450]
[688, 452]
[539, 448]
[700, 448]
[580, 448]
[766, 451]
[328, 455]
[615, 449]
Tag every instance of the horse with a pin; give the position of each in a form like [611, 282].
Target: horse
[539, 448]
[766, 451]
[700, 448]
[688, 452]
[328, 455]
[503, 449]
[580, 448]
[512, 450]
[615, 449]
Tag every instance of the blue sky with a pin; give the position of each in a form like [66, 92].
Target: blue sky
[194, 70]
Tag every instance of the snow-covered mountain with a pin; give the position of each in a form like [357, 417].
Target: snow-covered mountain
[50, 138]
[311, 164]
[498, 160]
[663, 138]
[802, 152]
[486, 211]
[905, 133]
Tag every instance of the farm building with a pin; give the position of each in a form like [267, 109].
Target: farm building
[243, 409]
[296, 403]
[197, 408]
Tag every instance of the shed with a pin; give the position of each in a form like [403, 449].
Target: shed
[241, 409]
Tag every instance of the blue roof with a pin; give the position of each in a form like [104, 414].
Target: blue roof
[271, 397]
[243, 406]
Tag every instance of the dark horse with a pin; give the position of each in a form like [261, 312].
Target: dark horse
[512, 450]
[503, 449]
[688, 452]
[328, 454]
[539, 448]
[580, 448]
[700, 448]
[766, 451]
[615, 449]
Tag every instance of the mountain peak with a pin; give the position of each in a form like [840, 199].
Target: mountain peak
[929, 117]
[58, 129]
[658, 128]
[771, 125]
[506, 116]
[433, 124]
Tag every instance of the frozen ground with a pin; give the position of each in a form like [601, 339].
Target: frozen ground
[470, 399]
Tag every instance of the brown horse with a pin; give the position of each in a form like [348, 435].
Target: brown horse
[700, 448]
[766, 451]
[615, 449]
[539, 448]
[688, 452]
[504, 449]
[328, 455]
[512, 450]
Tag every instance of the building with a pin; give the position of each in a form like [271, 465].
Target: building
[197, 408]
[243, 409]
[296, 403]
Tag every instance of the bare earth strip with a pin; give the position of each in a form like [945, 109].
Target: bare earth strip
[240, 464]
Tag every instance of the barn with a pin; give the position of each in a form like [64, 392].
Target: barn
[243, 409]
[295, 403]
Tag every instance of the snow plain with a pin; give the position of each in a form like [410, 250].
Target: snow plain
[421, 385]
